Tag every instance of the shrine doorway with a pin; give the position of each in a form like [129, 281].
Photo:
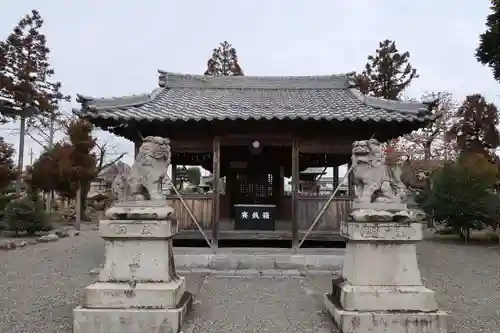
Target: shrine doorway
[254, 186]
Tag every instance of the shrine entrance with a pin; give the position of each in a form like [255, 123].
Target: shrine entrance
[254, 193]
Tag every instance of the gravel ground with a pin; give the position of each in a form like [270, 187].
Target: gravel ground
[41, 284]
[467, 279]
[258, 305]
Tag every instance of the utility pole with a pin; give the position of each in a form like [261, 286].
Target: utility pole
[20, 160]
[31, 156]
[50, 145]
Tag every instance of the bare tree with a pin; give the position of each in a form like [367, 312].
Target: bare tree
[104, 156]
[432, 141]
[45, 129]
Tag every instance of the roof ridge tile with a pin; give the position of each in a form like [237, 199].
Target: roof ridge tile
[387, 104]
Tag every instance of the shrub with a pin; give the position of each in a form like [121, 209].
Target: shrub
[6, 195]
[26, 215]
[461, 194]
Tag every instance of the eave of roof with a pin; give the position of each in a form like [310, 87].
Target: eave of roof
[137, 106]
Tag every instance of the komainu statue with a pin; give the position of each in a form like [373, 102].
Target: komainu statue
[143, 181]
[374, 180]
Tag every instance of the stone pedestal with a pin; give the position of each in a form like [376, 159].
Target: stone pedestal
[138, 289]
[381, 288]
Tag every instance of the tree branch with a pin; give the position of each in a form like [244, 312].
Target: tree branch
[37, 141]
[113, 162]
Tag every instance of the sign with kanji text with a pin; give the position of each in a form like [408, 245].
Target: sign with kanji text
[254, 217]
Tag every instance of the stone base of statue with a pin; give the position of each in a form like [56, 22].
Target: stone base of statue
[138, 289]
[381, 288]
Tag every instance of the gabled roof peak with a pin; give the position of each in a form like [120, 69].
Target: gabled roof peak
[176, 80]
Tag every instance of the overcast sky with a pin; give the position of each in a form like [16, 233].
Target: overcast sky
[114, 48]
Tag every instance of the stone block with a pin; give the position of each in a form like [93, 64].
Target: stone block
[382, 264]
[271, 273]
[382, 231]
[131, 320]
[387, 298]
[379, 206]
[247, 272]
[141, 210]
[323, 262]
[224, 262]
[127, 229]
[137, 260]
[257, 261]
[48, 238]
[293, 261]
[386, 321]
[193, 260]
[290, 272]
[141, 295]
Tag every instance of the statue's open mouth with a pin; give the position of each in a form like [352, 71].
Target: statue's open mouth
[361, 152]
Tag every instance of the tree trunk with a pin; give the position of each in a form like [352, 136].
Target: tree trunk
[85, 192]
[427, 151]
[462, 234]
[466, 233]
[78, 217]
[20, 160]
[498, 234]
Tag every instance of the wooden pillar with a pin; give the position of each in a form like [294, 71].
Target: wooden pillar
[335, 177]
[350, 181]
[216, 191]
[295, 189]
[137, 145]
[174, 174]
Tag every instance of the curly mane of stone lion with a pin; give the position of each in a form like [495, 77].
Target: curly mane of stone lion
[374, 181]
[150, 166]
[149, 170]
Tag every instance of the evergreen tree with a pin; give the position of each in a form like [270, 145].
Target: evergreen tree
[7, 169]
[388, 73]
[224, 62]
[476, 128]
[5, 85]
[488, 51]
[194, 175]
[26, 73]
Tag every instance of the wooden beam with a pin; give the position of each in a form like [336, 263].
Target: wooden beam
[216, 191]
[265, 140]
[295, 189]
[201, 145]
[326, 146]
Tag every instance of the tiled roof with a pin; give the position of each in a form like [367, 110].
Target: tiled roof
[197, 97]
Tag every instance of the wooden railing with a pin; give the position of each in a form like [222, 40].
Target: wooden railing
[201, 207]
[309, 207]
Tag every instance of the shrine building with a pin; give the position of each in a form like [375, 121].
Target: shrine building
[254, 131]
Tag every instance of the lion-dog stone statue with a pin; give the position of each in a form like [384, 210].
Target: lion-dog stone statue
[141, 185]
[378, 188]
[143, 180]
